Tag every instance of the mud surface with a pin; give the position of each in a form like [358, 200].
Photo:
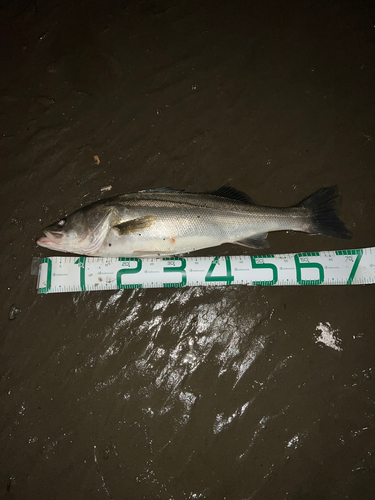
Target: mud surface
[218, 393]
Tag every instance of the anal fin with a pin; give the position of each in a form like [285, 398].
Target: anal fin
[255, 241]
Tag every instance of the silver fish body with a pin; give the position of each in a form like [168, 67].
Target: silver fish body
[166, 222]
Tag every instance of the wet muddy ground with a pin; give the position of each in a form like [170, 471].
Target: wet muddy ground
[218, 393]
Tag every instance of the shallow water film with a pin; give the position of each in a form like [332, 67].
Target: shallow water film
[222, 392]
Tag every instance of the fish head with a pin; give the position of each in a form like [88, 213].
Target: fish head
[82, 232]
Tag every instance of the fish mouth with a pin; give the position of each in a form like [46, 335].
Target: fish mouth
[50, 239]
[56, 235]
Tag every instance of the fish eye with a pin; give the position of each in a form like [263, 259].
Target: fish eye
[61, 222]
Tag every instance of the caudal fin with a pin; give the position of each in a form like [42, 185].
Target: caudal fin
[325, 221]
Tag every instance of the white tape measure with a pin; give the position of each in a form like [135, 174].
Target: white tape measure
[79, 274]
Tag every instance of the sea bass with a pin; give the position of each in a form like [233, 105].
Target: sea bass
[164, 222]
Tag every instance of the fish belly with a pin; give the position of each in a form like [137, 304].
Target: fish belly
[154, 245]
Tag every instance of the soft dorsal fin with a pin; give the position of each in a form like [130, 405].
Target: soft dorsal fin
[232, 194]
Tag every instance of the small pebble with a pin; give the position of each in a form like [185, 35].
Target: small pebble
[13, 311]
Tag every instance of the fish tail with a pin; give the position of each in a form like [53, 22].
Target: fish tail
[324, 218]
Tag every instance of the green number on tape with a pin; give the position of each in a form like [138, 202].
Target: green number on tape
[264, 265]
[47, 288]
[129, 270]
[358, 253]
[175, 269]
[81, 262]
[308, 265]
[227, 279]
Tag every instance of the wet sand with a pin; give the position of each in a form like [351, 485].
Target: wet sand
[218, 393]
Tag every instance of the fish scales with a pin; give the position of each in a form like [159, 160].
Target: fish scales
[167, 222]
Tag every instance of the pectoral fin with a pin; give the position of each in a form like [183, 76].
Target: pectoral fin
[255, 241]
[134, 225]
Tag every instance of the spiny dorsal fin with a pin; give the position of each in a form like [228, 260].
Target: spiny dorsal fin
[232, 194]
[134, 225]
[162, 190]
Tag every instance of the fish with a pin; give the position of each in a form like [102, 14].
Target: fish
[166, 222]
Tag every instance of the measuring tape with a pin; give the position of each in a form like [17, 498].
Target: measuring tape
[80, 274]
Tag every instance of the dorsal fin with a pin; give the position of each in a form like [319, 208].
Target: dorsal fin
[162, 190]
[232, 194]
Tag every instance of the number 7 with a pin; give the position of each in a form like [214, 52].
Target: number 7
[358, 253]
